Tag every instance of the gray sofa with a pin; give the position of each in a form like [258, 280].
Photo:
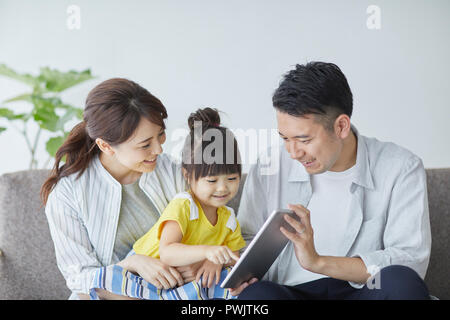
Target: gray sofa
[27, 260]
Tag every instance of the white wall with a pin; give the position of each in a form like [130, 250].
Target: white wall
[232, 54]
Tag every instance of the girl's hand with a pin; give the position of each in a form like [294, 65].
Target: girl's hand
[209, 271]
[153, 270]
[220, 254]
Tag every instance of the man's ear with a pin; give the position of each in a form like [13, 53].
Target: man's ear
[342, 126]
[104, 146]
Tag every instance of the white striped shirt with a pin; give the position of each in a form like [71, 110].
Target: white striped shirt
[83, 216]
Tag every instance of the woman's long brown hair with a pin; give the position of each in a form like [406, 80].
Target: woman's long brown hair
[112, 112]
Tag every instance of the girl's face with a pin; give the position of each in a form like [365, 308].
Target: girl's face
[215, 191]
[140, 152]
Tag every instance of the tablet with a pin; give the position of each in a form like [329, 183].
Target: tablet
[262, 250]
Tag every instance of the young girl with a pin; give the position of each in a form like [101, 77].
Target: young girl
[196, 225]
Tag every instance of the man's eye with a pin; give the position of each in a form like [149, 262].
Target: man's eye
[146, 146]
[306, 141]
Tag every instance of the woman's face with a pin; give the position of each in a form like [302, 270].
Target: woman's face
[140, 152]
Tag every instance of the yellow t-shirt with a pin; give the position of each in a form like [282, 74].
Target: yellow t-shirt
[195, 227]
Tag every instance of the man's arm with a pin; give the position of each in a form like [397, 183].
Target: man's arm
[343, 268]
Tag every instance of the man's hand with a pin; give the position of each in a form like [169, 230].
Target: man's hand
[302, 238]
[237, 291]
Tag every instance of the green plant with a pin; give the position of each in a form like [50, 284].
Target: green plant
[48, 111]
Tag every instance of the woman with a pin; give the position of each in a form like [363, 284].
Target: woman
[112, 187]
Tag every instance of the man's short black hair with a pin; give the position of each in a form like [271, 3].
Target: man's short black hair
[317, 88]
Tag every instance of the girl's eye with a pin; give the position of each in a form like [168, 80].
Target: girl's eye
[211, 181]
[232, 178]
[146, 146]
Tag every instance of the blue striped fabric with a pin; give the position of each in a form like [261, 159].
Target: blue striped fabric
[120, 281]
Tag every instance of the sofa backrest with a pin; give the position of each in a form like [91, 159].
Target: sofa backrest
[28, 267]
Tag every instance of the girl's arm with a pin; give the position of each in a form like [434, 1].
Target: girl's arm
[175, 254]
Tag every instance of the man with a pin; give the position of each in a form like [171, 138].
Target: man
[364, 231]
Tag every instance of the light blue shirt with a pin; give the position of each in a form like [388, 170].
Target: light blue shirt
[389, 220]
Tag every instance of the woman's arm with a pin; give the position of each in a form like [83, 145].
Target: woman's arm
[75, 255]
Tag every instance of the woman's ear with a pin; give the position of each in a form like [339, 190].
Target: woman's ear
[104, 146]
[185, 174]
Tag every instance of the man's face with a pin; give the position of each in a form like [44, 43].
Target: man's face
[309, 142]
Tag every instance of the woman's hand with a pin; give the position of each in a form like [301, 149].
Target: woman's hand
[209, 271]
[190, 271]
[220, 254]
[153, 270]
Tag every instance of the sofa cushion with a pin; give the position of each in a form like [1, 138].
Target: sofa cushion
[28, 265]
[437, 277]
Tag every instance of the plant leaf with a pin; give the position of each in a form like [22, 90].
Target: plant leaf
[9, 114]
[25, 78]
[57, 81]
[53, 145]
[22, 97]
[2, 129]
[44, 113]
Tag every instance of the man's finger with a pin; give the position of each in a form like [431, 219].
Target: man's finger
[301, 212]
[294, 223]
[291, 236]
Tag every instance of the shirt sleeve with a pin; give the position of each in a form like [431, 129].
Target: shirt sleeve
[253, 205]
[75, 256]
[177, 210]
[235, 241]
[407, 235]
